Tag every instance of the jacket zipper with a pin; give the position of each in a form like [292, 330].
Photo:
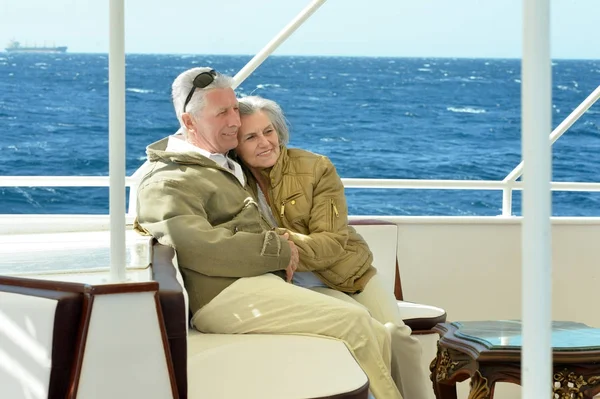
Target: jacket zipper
[337, 214]
[334, 213]
[285, 201]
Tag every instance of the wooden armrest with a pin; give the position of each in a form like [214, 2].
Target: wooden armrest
[172, 303]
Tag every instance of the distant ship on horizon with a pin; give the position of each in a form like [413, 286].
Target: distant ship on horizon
[15, 47]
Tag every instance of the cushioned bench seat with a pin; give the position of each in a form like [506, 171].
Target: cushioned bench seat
[277, 366]
[271, 367]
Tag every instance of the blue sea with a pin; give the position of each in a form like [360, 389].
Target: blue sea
[405, 118]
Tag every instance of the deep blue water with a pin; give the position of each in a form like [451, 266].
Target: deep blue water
[374, 117]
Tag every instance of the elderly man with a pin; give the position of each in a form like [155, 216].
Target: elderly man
[234, 265]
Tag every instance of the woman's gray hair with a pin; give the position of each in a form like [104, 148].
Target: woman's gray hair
[253, 104]
[183, 84]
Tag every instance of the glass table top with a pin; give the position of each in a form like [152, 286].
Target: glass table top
[506, 334]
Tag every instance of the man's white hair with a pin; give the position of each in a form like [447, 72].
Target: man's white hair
[181, 88]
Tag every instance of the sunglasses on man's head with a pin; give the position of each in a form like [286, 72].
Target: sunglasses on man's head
[200, 82]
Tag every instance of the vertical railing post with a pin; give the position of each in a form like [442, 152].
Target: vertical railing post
[116, 133]
[536, 100]
[507, 201]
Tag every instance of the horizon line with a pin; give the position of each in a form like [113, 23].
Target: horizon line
[306, 55]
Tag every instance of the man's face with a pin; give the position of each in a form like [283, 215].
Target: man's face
[215, 128]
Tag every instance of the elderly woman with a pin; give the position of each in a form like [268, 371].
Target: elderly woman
[301, 193]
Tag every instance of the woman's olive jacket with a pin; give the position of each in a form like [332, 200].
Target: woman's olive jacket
[307, 199]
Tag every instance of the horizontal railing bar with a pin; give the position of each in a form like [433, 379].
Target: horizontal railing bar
[460, 184]
[426, 184]
[102, 181]
[60, 181]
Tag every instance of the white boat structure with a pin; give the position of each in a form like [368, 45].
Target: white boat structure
[104, 314]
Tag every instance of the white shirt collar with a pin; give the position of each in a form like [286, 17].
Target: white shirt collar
[177, 143]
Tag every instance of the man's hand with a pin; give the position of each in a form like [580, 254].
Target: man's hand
[294, 259]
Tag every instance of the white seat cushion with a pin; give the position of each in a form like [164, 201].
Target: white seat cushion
[409, 310]
[266, 366]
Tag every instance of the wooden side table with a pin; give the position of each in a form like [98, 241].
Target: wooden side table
[490, 352]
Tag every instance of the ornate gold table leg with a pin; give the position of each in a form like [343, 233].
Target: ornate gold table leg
[480, 388]
[441, 369]
[571, 385]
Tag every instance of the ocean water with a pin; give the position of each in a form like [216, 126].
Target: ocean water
[374, 117]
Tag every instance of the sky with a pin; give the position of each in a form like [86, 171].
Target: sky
[394, 28]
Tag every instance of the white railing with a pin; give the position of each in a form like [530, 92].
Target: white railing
[459, 184]
[507, 185]
[59, 181]
[423, 184]
[555, 135]
[281, 37]
[406, 184]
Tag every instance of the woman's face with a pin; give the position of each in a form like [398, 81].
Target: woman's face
[258, 141]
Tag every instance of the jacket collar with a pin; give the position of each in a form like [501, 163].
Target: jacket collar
[158, 152]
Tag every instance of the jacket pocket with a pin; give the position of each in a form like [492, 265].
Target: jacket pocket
[291, 199]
